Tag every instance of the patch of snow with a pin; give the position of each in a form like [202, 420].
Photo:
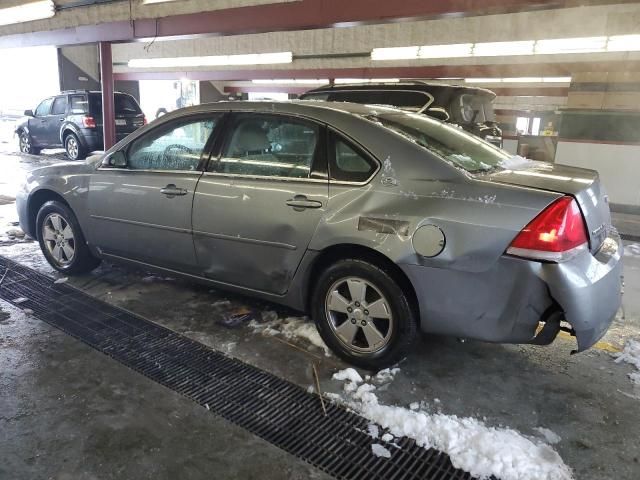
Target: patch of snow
[379, 451]
[27, 311]
[20, 300]
[61, 280]
[387, 437]
[292, 328]
[373, 430]
[414, 406]
[631, 355]
[551, 437]
[386, 375]
[473, 446]
[517, 163]
[349, 374]
[632, 250]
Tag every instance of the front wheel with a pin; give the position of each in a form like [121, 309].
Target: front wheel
[25, 144]
[62, 241]
[363, 314]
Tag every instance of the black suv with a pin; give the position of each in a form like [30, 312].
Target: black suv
[73, 120]
[467, 107]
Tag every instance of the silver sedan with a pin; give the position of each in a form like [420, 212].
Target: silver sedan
[376, 221]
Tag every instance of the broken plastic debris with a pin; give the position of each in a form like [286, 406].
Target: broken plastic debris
[61, 280]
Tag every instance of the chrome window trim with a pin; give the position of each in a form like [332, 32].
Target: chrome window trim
[129, 170]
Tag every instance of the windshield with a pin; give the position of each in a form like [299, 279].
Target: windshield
[449, 142]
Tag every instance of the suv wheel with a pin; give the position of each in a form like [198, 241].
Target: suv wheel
[62, 241]
[25, 144]
[363, 315]
[75, 150]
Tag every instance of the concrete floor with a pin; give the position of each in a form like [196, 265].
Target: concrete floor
[67, 412]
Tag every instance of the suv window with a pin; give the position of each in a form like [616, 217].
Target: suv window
[408, 100]
[270, 146]
[79, 104]
[177, 146]
[124, 104]
[59, 106]
[348, 163]
[44, 107]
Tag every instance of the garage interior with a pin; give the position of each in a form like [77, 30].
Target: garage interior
[566, 75]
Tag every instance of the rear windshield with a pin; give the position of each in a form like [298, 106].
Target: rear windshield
[125, 104]
[407, 100]
[449, 142]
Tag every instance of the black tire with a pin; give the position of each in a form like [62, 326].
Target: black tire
[26, 145]
[402, 325]
[74, 148]
[81, 261]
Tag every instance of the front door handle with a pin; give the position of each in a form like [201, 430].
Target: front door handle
[172, 191]
[301, 202]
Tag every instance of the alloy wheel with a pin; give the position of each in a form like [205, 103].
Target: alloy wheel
[25, 143]
[72, 147]
[359, 315]
[59, 239]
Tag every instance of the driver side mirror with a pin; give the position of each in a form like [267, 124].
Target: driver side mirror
[115, 160]
[438, 113]
[29, 113]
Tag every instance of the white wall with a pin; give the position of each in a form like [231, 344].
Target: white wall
[618, 165]
[510, 145]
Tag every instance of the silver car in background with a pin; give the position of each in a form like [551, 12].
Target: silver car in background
[375, 221]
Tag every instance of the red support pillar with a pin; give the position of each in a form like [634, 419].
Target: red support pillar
[108, 109]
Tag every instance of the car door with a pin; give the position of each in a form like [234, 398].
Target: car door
[259, 203]
[54, 121]
[143, 212]
[38, 124]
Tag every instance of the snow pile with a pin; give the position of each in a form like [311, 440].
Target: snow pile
[473, 446]
[631, 355]
[290, 328]
[632, 250]
[379, 451]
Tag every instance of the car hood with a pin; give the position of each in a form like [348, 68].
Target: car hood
[581, 183]
[67, 168]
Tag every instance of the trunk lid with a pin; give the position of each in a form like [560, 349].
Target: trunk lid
[582, 184]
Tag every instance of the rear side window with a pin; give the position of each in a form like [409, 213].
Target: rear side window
[79, 104]
[348, 163]
[270, 146]
[59, 106]
[177, 146]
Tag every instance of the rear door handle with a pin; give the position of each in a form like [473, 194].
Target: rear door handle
[172, 191]
[301, 202]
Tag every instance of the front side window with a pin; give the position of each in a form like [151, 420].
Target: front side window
[59, 106]
[44, 107]
[348, 164]
[178, 146]
[270, 146]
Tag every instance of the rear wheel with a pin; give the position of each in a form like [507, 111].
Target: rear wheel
[25, 144]
[363, 315]
[62, 241]
[75, 150]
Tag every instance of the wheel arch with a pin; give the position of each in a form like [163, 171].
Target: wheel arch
[334, 253]
[36, 200]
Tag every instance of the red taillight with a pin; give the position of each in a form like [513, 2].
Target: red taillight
[554, 235]
[144, 120]
[89, 122]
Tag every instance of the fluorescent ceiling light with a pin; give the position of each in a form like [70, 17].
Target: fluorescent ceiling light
[445, 51]
[556, 79]
[494, 49]
[211, 61]
[522, 80]
[571, 45]
[283, 81]
[394, 53]
[482, 80]
[367, 80]
[623, 43]
[27, 12]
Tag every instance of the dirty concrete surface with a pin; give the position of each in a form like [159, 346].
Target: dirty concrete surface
[67, 411]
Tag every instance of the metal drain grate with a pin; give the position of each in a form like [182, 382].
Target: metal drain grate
[278, 411]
